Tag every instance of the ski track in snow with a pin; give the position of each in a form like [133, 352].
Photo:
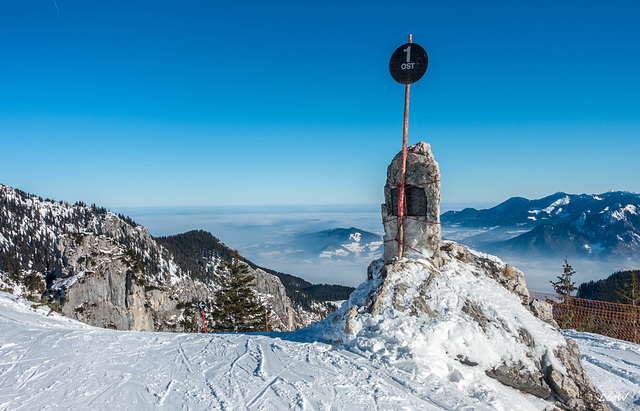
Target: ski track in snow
[49, 362]
[613, 366]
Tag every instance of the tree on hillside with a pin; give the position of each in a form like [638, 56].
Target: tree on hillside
[236, 306]
[564, 310]
[564, 285]
[630, 292]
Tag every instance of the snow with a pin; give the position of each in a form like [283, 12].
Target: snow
[56, 362]
[613, 366]
[621, 213]
[560, 202]
[63, 285]
[50, 361]
[356, 246]
[355, 237]
[595, 247]
[174, 278]
[430, 347]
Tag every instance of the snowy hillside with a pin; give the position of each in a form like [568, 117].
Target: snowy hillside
[52, 361]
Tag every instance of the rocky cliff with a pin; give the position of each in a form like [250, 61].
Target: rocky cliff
[106, 270]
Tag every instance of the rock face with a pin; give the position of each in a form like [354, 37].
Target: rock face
[422, 189]
[464, 316]
[100, 285]
[573, 385]
[105, 285]
[271, 291]
[110, 272]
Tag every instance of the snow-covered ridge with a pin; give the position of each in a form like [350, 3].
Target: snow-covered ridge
[559, 223]
[29, 218]
[555, 207]
[337, 244]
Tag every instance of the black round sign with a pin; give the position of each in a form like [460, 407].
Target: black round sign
[201, 305]
[408, 63]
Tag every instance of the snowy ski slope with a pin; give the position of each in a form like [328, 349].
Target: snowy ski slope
[51, 362]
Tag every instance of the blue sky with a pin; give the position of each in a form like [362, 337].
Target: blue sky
[197, 103]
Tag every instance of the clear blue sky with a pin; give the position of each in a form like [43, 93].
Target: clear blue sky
[154, 103]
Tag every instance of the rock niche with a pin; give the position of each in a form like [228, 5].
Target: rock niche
[422, 206]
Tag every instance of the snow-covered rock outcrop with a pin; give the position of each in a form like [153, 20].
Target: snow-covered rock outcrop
[463, 318]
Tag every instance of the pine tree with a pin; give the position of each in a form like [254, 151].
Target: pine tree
[564, 285]
[236, 306]
[630, 292]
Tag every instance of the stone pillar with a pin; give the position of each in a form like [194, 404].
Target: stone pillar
[422, 234]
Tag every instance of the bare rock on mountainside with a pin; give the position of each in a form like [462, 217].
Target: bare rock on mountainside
[463, 316]
[100, 284]
[103, 284]
[106, 285]
[106, 270]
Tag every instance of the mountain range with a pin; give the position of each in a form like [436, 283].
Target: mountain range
[341, 254]
[106, 270]
[599, 226]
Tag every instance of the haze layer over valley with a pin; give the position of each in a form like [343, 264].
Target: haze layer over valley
[265, 234]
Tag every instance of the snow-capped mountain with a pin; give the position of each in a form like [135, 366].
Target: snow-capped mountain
[335, 244]
[600, 225]
[104, 269]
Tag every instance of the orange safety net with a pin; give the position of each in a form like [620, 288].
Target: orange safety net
[619, 321]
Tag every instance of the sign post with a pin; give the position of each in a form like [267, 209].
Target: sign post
[202, 305]
[407, 65]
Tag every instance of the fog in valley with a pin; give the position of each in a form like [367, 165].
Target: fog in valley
[264, 234]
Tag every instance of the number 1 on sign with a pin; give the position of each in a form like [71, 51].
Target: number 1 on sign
[408, 51]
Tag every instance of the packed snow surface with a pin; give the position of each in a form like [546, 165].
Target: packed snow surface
[49, 362]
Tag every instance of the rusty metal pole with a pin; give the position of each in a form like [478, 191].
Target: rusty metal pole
[204, 322]
[401, 192]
